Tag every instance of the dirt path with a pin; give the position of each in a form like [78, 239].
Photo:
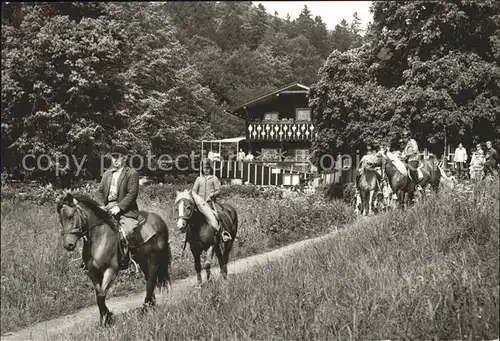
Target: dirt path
[119, 305]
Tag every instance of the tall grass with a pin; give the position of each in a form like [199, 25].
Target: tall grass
[41, 280]
[430, 273]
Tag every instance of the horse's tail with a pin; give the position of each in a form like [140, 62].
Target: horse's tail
[163, 277]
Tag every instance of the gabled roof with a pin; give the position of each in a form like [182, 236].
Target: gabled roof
[295, 87]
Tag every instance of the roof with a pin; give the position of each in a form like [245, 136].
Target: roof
[230, 140]
[295, 87]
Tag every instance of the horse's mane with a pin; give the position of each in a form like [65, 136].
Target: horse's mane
[186, 194]
[87, 201]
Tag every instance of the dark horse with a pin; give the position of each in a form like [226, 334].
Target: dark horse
[81, 217]
[202, 236]
[369, 185]
[431, 174]
[402, 185]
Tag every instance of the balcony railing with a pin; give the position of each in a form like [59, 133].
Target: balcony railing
[283, 130]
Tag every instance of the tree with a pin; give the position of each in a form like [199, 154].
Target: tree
[303, 25]
[432, 68]
[78, 77]
[346, 36]
[255, 26]
[320, 37]
[61, 81]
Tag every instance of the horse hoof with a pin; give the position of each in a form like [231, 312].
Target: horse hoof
[108, 319]
[147, 307]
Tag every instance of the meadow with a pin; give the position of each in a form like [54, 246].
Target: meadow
[430, 273]
[41, 280]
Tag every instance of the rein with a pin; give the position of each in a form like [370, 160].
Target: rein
[79, 231]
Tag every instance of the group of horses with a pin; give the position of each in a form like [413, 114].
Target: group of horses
[400, 183]
[82, 218]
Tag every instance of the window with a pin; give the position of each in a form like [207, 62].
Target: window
[269, 153]
[271, 116]
[303, 114]
[301, 155]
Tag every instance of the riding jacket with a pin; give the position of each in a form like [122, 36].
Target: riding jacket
[127, 189]
[207, 187]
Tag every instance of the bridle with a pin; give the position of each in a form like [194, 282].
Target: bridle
[79, 232]
[184, 216]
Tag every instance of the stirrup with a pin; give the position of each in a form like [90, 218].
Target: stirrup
[136, 266]
[226, 236]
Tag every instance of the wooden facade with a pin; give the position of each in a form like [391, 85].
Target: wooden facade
[256, 173]
[279, 129]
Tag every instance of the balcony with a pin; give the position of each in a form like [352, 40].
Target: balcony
[281, 130]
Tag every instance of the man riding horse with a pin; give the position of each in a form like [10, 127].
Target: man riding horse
[119, 189]
[411, 155]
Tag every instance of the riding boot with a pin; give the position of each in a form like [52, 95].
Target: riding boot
[124, 257]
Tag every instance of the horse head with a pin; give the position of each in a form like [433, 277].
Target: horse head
[378, 159]
[71, 219]
[74, 211]
[185, 206]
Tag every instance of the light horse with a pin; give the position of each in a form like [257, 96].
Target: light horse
[201, 236]
[400, 183]
[81, 217]
[369, 185]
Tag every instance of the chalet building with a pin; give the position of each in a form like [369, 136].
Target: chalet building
[279, 130]
[279, 134]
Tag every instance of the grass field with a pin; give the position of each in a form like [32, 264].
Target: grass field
[430, 273]
[41, 280]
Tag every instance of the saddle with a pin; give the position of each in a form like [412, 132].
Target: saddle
[396, 161]
[206, 210]
[216, 218]
[138, 235]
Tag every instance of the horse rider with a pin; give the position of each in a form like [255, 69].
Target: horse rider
[207, 186]
[410, 153]
[119, 188]
[362, 163]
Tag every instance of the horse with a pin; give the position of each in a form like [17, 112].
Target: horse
[369, 185]
[202, 236]
[431, 175]
[400, 183]
[82, 217]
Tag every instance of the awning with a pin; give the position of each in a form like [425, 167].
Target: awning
[230, 140]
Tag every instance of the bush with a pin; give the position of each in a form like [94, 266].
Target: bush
[250, 191]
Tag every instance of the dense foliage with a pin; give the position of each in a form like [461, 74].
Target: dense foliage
[431, 67]
[77, 77]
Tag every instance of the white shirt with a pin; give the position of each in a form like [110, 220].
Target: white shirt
[113, 190]
[460, 155]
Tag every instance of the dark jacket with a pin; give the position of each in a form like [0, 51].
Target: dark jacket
[491, 157]
[128, 189]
